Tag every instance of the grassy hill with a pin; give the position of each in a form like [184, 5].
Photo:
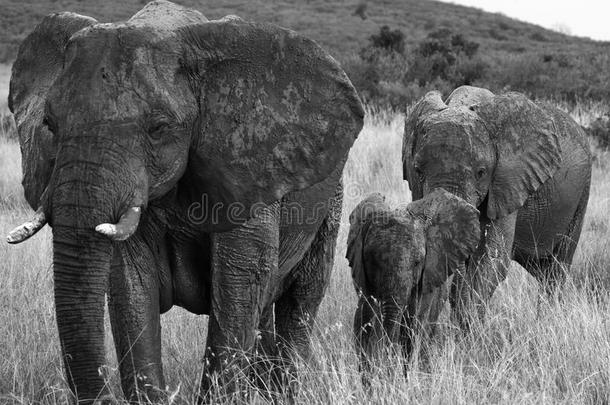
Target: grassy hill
[332, 23]
[511, 54]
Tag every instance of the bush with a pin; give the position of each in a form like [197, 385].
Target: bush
[600, 131]
[446, 56]
[388, 40]
[553, 76]
[364, 75]
[386, 73]
[378, 70]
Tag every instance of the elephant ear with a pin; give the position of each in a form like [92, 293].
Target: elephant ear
[468, 96]
[430, 104]
[359, 221]
[527, 149]
[39, 62]
[277, 113]
[452, 234]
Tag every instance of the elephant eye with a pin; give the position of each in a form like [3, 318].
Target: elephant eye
[47, 122]
[157, 128]
[481, 173]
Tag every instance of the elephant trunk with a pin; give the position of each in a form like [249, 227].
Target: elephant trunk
[81, 263]
[458, 187]
[82, 196]
[392, 316]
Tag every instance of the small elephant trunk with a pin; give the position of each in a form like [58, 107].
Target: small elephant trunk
[392, 317]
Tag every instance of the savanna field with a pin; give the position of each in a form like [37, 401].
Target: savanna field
[527, 350]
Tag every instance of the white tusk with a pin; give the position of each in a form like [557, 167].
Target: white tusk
[127, 225]
[28, 229]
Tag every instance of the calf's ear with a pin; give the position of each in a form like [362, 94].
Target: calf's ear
[360, 220]
[452, 235]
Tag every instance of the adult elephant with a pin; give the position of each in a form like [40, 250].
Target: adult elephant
[180, 161]
[526, 166]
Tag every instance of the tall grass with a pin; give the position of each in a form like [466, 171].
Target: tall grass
[5, 76]
[527, 350]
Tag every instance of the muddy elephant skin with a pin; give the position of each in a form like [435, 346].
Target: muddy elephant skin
[401, 260]
[164, 152]
[525, 165]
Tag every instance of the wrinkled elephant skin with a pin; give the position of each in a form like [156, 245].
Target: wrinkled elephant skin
[401, 259]
[526, 166]
[168, 153]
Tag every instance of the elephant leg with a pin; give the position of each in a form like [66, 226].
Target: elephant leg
[243, 260]
[430, 307]
[367, 324]
[133, 303]
[296, 309]
[474, 285]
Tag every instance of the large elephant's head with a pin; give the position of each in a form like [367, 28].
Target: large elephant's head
[402, 257]
[491, 150]
[113, 117]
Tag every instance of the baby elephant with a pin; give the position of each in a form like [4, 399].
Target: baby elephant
[400, 260]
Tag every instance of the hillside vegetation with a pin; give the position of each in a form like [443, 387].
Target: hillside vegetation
[511, 54]
[332, 23]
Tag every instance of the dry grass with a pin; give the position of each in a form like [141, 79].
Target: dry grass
[5, 75]
[527, 351]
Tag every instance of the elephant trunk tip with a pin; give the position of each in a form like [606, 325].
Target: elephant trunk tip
[28, 229]
[122, 230]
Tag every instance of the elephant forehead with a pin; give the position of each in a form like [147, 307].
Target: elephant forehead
[116, 38]
[114, 70]
[396, 230]
[165, 15]
[458, 129]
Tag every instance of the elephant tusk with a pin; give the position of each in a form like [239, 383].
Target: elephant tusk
[28, 229]
[127, 225]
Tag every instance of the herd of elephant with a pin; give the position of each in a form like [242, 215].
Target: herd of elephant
[128, 129]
